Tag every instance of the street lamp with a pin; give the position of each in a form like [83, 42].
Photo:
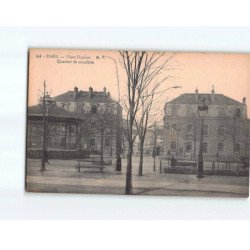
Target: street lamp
[117, 76]
[119, 99]
[202, 112]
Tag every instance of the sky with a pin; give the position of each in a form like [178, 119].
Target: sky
[65, 69]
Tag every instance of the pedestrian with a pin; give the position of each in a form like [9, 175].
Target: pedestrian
[173, 162]
[46, 156]
[118, 164]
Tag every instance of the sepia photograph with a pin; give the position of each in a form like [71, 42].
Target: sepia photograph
[138, 123]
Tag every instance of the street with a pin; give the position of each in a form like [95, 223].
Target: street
[62, 176]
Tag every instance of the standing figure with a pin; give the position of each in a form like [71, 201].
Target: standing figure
[173, 162]
[118, 164]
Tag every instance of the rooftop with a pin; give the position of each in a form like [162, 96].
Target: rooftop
[219, 99]
[85, 96]
[52, 110]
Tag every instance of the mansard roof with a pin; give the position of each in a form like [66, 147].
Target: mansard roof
[83, 96]
[219, 99]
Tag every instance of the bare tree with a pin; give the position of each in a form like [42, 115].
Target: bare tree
[144, 73]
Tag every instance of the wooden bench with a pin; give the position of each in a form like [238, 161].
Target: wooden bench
[177, 164]
[88, 163]
[185, 164]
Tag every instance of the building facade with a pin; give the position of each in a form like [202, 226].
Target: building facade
[225, 128]
[101, 119]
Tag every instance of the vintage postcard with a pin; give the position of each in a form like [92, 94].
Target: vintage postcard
[138, 123]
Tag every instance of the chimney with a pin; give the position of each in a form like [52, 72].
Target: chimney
[75, 92]
[196, 95]
[104, 91]
[90, 92]
[212, 94]
[244, 100]
[108, 93]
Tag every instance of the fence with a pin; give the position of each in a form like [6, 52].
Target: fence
[209, 167]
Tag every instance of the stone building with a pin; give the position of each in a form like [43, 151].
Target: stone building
[101, 118]
[225, 129]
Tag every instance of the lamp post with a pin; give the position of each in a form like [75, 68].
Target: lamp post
[202, 112]
[44, 128]
[118, 129]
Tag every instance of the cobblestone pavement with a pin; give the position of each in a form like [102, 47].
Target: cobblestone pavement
[62, 176]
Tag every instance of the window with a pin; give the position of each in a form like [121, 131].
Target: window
[93, 109]
[92, 142]
[237, 112]
[220, 147]
[174, 110]
[63, 142]
[189, 129]
[109, 110]
[205, 129]
[189, 111]
[79, 108]
[107, 142]
[174, 127]
[168, 111]
[221, 112]
[188, 146]
[173, 145]
[236, 147]
[50, 141]
[167, 126]
[221, 130]
[204, 147]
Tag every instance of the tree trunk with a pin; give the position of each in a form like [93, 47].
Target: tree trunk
[141, 158]
[128, 188]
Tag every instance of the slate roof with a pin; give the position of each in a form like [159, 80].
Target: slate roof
[83, 96]
[219, 99]
[52, 110]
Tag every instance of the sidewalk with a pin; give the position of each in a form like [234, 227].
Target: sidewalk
[62, 177]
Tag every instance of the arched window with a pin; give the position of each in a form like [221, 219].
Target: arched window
[221, 130]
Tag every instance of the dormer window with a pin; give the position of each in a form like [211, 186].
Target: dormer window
[174, 111]
[221, 112]
[238, 113]
[79, 108]
[189, 111]
[109, 110]
[93, 109]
